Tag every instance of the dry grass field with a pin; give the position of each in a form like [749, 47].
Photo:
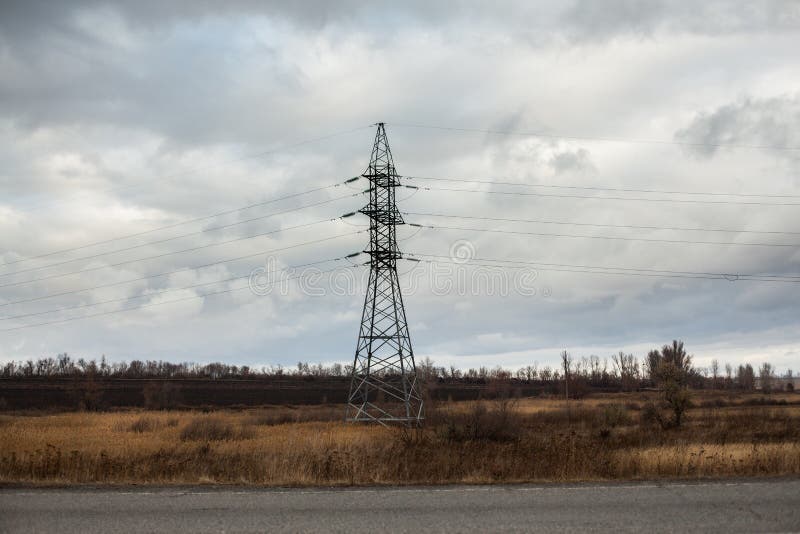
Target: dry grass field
[603, 437]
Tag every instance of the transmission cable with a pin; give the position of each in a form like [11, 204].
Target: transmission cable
[182, 269]
[172, 289]
[230, 290]
[199, 232]
[592, 188]
[222, 163]
[731, 278]
[762, 275]
[181, 223]
[568, 223]
[192, 249]
[593, 138]
[595, 269]
[640, 199]
[612, 238]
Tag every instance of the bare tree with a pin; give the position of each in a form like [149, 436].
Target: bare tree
[766, 375]
[676, 355]
[714, 372]
[652, 363]
[674, 371]
[595, 371]
[627, 367]
[531, 371]
[745, 377]
[566, 364]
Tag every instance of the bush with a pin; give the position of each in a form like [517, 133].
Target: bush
[292, 414]
[651, 414]
[615, 415]
[272, 419]
[143, 424]
[208, 429]
[485, 421]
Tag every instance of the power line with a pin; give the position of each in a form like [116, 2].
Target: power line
[730, 278]
[170, 290]
[181, 223]
[592, 188]
[594, 138]
[166, 254]
[595, 269]
[226, 162]
[183, 269]
[613, 238]
[568, 223]
[206, 230]
[230, 290]
[640, 199]
[727, 276]
[192, 249]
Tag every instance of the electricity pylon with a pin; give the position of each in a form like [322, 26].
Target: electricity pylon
[383, 386]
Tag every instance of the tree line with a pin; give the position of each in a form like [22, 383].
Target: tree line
[622, 371]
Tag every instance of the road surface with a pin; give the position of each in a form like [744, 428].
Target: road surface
[734, 506]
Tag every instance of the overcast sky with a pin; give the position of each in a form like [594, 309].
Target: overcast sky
[120, 118]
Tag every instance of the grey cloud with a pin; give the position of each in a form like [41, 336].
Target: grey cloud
[579, 19]
[123, 107]
[589, 19]
[572, 161]
[760, 122]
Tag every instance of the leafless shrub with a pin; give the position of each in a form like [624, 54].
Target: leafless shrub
[652, 415]
[495, 420]
[143, 424]
[290, 414]
[212, 429]
[272, 419]
[615, 415]
[564, 417]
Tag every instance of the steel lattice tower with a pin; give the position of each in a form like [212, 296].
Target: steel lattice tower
[384, 386]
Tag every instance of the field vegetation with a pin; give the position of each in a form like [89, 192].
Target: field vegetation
[599, 437]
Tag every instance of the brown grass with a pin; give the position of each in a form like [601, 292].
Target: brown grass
[471, 442]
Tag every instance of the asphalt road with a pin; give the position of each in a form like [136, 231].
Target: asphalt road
[735, 506]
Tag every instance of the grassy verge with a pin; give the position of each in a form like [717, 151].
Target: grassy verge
[476, 442]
